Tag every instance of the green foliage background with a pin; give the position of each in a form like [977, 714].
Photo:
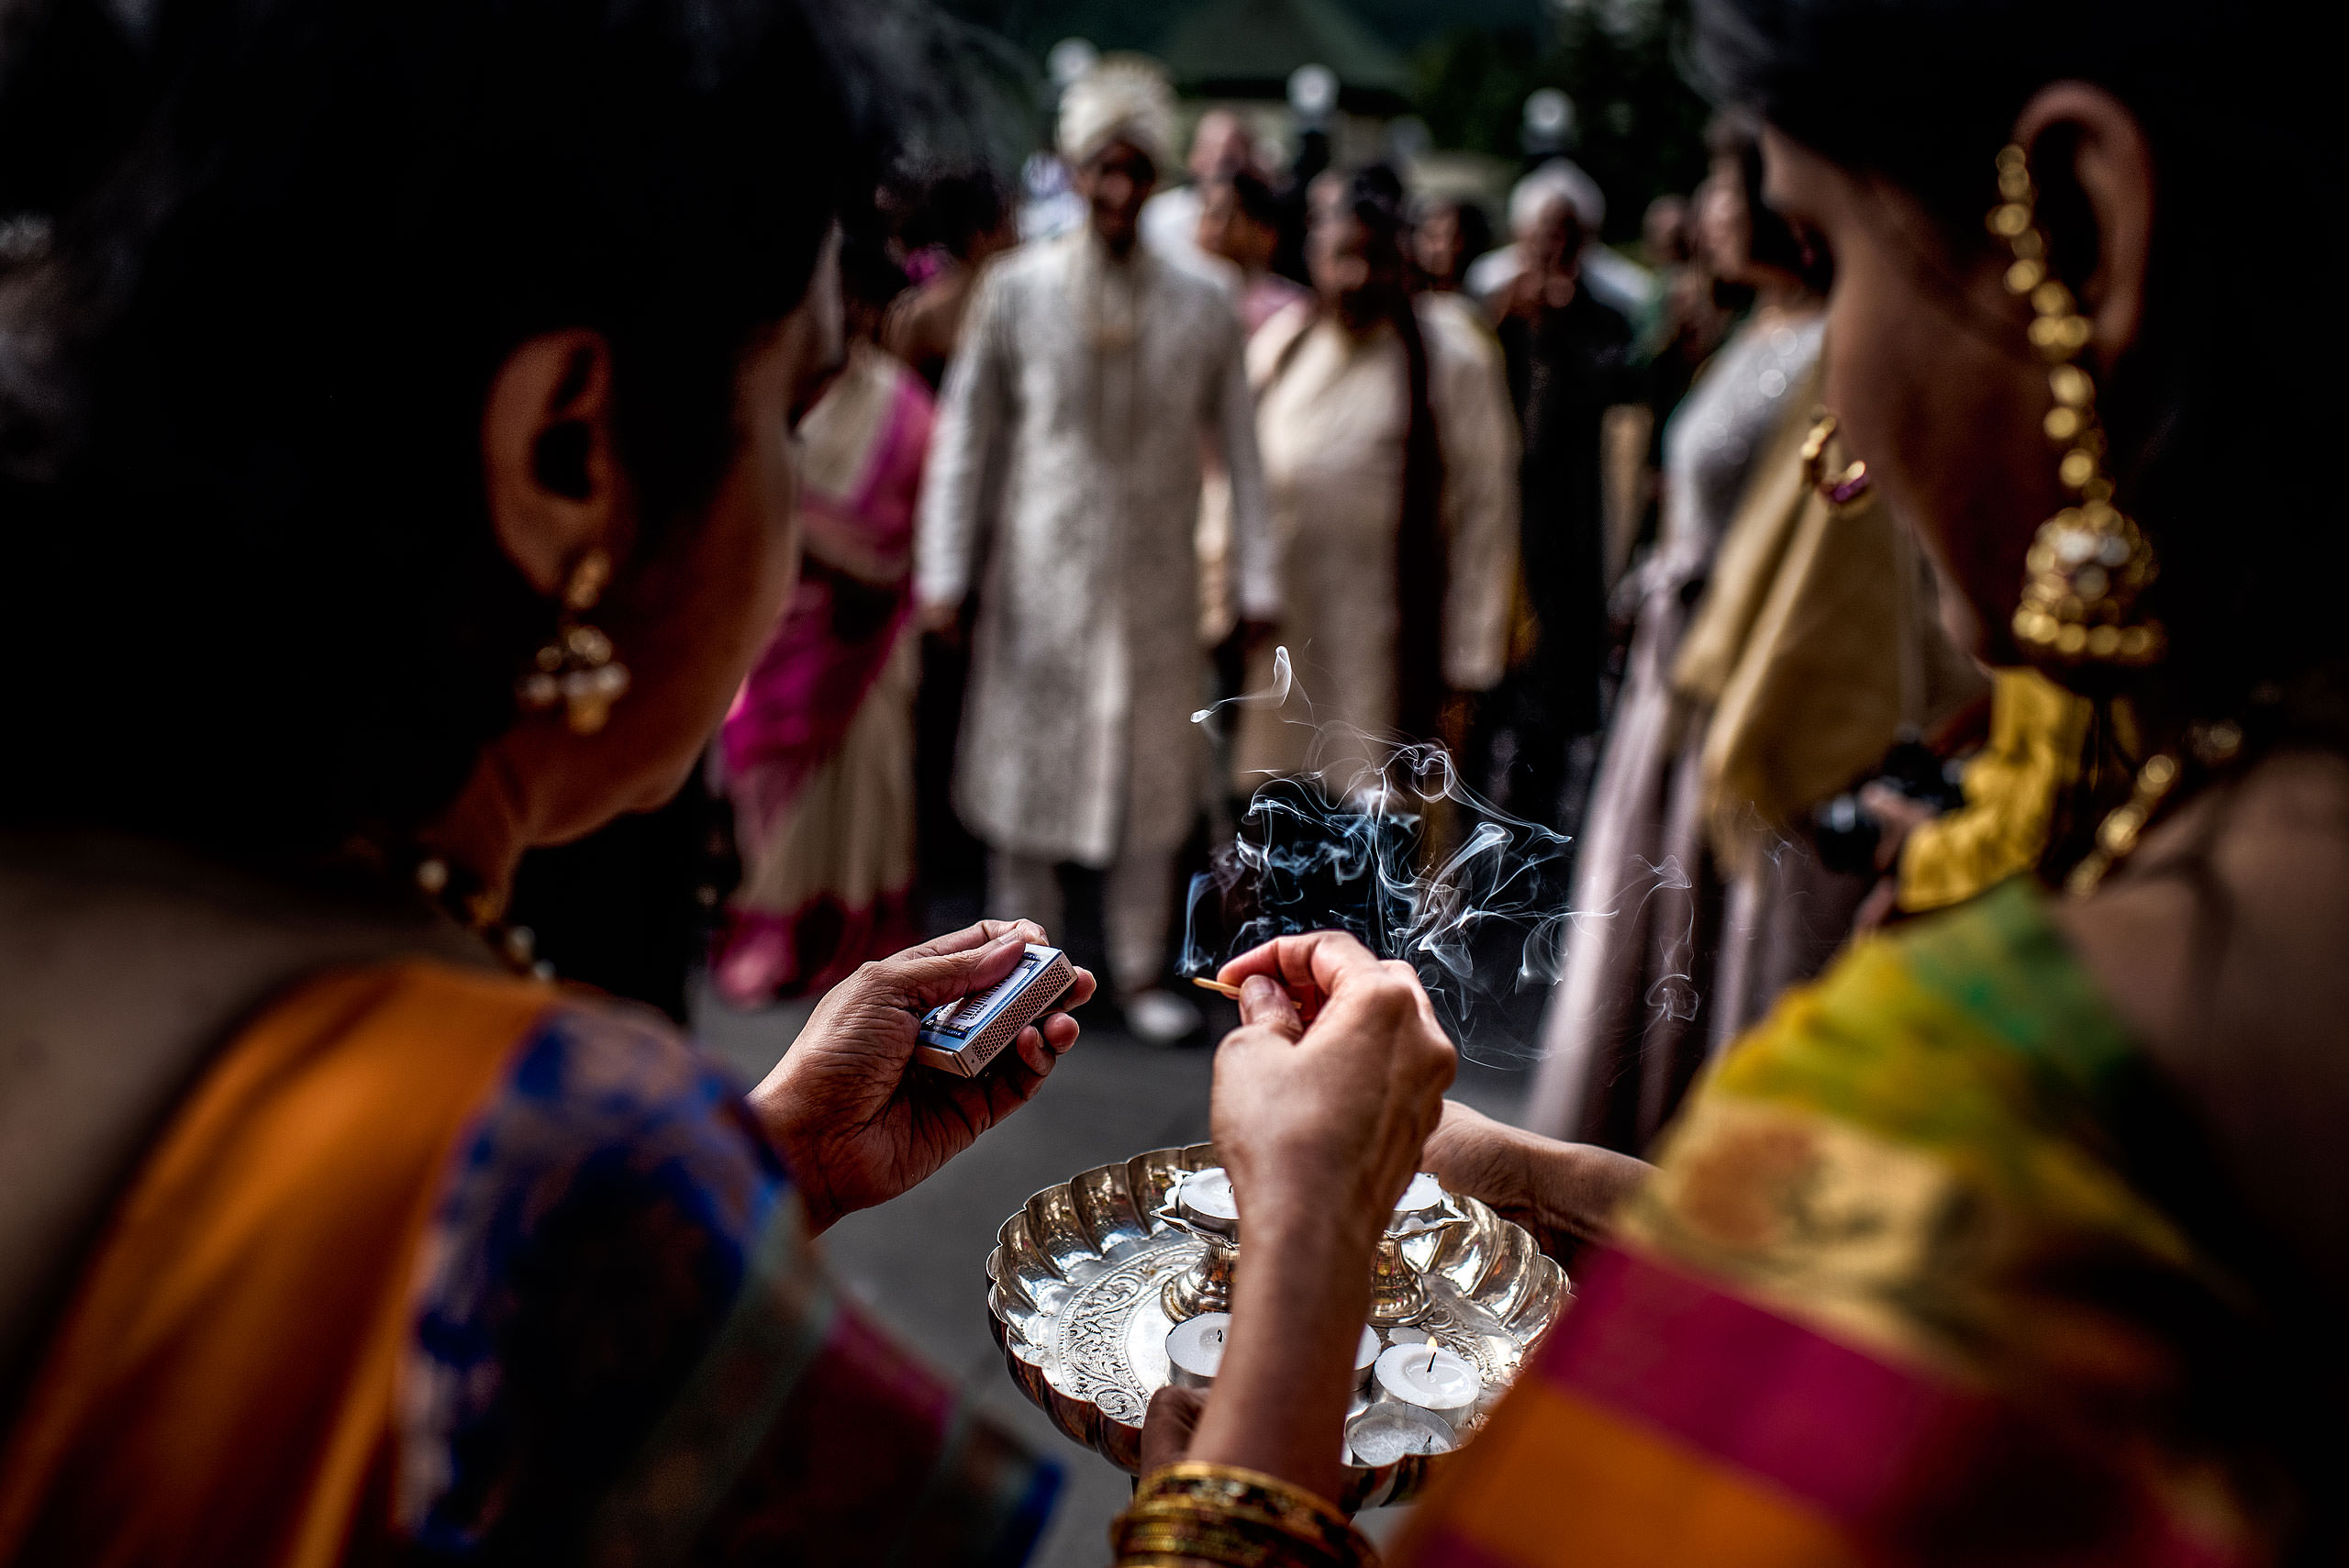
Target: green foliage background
[1640, 124]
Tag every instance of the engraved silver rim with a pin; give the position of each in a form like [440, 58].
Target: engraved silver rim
[1098, 1234]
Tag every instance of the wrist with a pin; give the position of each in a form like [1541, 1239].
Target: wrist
[794, 1142]
[1576, 1188]
[1303, 1227]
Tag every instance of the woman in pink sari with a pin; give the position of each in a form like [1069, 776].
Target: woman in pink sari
[817, 749]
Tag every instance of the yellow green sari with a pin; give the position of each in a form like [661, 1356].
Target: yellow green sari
[1917, 1281]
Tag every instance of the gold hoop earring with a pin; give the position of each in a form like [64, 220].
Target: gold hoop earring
[2089, 563]
[576, 669]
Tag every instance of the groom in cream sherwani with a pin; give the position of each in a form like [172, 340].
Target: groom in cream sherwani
[1063, 485]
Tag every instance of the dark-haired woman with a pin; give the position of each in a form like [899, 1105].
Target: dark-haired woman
[400, 395]
[1629, 1016]
[2023, 1236]
[1390, 460]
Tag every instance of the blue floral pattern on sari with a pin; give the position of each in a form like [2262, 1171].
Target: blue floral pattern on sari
[615, 1302]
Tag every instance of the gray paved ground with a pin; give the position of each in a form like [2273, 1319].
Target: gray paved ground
[920, 1262]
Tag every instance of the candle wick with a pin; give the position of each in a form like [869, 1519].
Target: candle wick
[1431, 1367]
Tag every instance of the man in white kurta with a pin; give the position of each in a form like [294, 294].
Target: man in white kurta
[1333, 411]
[1063, 486]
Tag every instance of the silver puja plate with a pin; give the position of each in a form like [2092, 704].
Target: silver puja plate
[1078, 1296]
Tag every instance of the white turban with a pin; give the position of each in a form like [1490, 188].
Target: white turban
[1557, 180]
[1123, 98]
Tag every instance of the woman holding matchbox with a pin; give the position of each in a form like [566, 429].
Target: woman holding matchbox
[395, 406]
[2021, 1236]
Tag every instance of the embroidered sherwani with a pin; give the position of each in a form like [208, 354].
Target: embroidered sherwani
[1065, 486]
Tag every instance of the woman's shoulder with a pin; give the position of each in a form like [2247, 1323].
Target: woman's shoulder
[600, 1080]
[2221, 945]
[1455, 334]
[2234, 903]
[595, 1223]
[1280, 331]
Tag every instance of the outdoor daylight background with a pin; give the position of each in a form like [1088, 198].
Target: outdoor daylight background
[1447, 77]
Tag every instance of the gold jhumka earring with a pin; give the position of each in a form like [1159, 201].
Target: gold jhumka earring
[2090, 562]
[576, 668]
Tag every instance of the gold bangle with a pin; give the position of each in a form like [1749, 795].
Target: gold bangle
[1223, 1515]
[1226, 1543]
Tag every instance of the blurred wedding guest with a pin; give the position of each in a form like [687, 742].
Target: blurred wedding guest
[1636, 982]
[1064, 487]
[1684, 321]
[1567, 365]
[960, 219]
[1620, 283]
[1221, 147]
[817, 749]
[1240, 219]
[1390, 455]
[1664, 233]
[1449, 233]
[1689, 316]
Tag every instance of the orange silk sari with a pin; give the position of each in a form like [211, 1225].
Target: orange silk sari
[220, 1387]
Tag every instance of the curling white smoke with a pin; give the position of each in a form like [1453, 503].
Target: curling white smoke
[1484, 925]
[1275, 693]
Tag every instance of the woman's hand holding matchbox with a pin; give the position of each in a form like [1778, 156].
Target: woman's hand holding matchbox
[857, 1117]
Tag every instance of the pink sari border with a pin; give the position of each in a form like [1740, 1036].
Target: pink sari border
[1828, 1424]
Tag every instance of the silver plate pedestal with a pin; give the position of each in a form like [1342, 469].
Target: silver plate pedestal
[1078, 1297]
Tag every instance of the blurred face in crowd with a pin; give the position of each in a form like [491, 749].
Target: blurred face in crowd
[1665, 231]
[1348, 270]
[1115, 182]
[1928, 368]
[1724, 234]
[1227, 230]
[1553, 244]
[1435, 243]
[1220, 146]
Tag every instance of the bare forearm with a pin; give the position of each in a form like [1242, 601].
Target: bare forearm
[1575, 1189]
[1280, 1398]
[1564, 1193]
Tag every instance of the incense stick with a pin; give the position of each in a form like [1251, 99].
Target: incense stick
[1218, 986]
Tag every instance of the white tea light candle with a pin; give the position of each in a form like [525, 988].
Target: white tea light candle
[1194, 1348]
[1424, 1193]
[1428, 1376]
[1366, 1353]
[1385, 1432]
[1207, 1194]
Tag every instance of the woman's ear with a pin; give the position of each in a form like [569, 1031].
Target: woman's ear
[2082, 136]
[549, 459]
